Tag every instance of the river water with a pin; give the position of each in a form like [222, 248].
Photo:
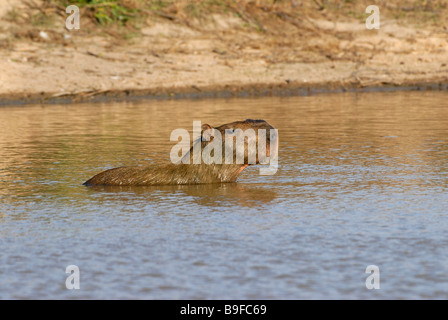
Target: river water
[362, 180]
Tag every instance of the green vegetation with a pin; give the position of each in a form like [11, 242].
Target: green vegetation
[107, 11]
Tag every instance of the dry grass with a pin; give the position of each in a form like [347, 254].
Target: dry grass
[288, 27]
[268, 16]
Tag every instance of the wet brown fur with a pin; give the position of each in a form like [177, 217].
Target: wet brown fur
[180, 173]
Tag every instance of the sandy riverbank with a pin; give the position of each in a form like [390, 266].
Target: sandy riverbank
[265, 50]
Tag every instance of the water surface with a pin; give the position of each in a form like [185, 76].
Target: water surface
[363, 180]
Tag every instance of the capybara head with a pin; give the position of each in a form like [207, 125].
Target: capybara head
[241, 142]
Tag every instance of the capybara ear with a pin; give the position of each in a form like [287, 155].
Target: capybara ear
[206, 132]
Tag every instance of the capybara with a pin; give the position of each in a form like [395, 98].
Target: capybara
[186, 171]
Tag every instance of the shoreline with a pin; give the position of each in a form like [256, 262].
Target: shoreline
[296, 50]
[213, 92]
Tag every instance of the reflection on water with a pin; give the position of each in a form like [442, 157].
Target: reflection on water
[362, 180]
[226, 194]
